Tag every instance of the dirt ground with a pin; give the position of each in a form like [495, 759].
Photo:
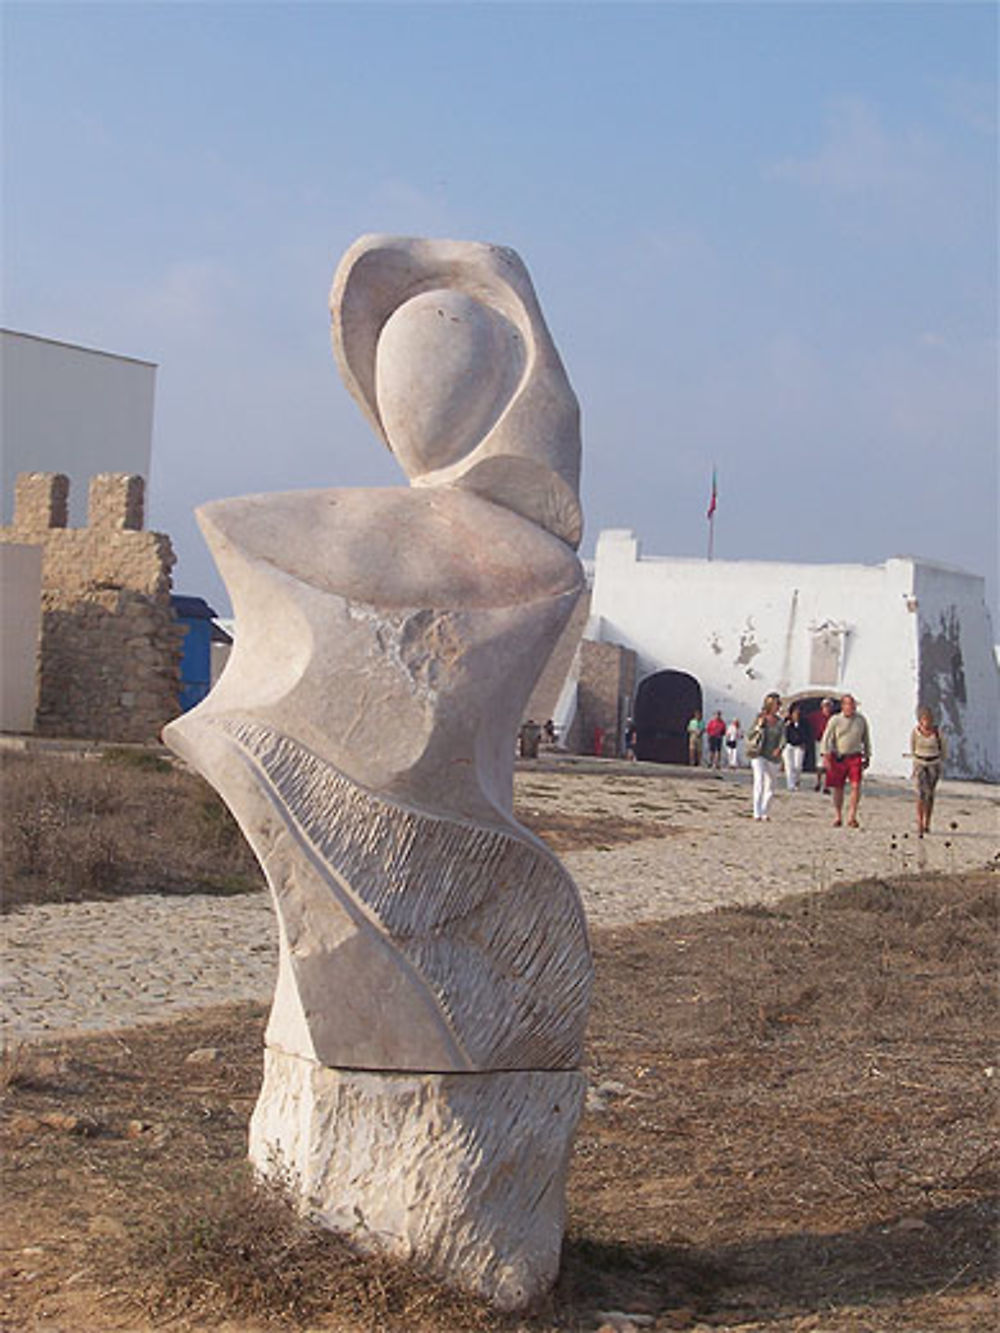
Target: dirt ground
[791, 1125]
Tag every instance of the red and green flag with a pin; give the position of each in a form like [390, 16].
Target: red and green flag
[714, 500]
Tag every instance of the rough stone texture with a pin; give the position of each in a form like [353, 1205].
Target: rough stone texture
[363, 735]
[606, 686]
[20, 634]
[110, 646]
[471, 1168]
[115, 500]
[41, 501]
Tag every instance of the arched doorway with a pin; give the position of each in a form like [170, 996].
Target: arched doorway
[809, 704]
[664, 703]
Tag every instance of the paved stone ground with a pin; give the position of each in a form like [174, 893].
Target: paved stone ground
[717, 855]
[87, 966]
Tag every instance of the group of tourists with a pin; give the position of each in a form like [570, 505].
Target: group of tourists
[844, 752]
[719, 734]
[838, 738]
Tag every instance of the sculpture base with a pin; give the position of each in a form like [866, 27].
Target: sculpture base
[461, 1174]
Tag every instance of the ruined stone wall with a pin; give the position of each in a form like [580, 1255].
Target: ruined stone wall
[20, 634]
[110, 646]
[604, 694]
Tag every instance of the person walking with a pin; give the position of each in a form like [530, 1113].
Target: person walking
[764, 741]
[695, 730]
[929, 752]
[733, 733]
[796, 739]
[818, 721]
[528, 739]
[715, 730]
[847, 752]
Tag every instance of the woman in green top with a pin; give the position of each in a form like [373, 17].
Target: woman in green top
[696, 729]
[764, 744]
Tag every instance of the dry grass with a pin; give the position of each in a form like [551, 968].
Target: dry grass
[128, 821]
[566, 831]
[125, 822]
[246, 1254]
[792, 1126]
[15, 1064]
[792, 1123]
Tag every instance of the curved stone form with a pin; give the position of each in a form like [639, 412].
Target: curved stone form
[503, 420]
[471, 936]
[434, 972]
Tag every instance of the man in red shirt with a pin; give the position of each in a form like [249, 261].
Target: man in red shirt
[817, 721]
[715, 730]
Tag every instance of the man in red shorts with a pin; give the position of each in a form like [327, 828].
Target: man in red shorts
[715, 730]
[847, 751]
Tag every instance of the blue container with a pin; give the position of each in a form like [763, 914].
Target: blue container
[198, 619]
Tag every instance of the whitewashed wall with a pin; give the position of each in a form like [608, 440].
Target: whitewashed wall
[73, 410]
[745, 627]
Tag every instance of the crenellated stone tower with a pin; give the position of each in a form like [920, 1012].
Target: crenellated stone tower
[110, 646]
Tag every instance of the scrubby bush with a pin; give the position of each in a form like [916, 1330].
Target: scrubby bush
[122, 823]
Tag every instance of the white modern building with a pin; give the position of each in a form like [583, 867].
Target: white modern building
[73, 410]
[719, 634]
[63, 409]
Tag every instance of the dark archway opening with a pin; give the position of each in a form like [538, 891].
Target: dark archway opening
[664, 703]
[809, 706]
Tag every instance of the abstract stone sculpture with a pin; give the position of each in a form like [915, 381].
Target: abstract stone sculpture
[421, 1081]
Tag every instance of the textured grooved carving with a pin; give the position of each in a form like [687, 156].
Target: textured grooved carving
[461, 902]
[434, 972]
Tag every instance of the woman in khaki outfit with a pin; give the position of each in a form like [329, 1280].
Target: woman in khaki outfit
[928, 750]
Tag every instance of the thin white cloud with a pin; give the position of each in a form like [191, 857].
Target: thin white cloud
[859, 156]
[972, 103]
[189, 296]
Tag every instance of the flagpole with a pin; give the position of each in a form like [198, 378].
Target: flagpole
[711, 535]
[712, 505]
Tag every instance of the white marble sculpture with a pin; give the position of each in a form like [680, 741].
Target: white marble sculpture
[421, 1081]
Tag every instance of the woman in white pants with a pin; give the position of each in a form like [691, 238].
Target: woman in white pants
[795, 747]
[733, 742]
[764, 742]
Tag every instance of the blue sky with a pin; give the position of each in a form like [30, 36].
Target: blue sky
[764, 237]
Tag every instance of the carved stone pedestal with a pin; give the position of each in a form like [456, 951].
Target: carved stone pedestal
[464, 1173]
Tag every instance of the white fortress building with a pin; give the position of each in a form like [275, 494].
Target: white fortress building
[717, 635]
